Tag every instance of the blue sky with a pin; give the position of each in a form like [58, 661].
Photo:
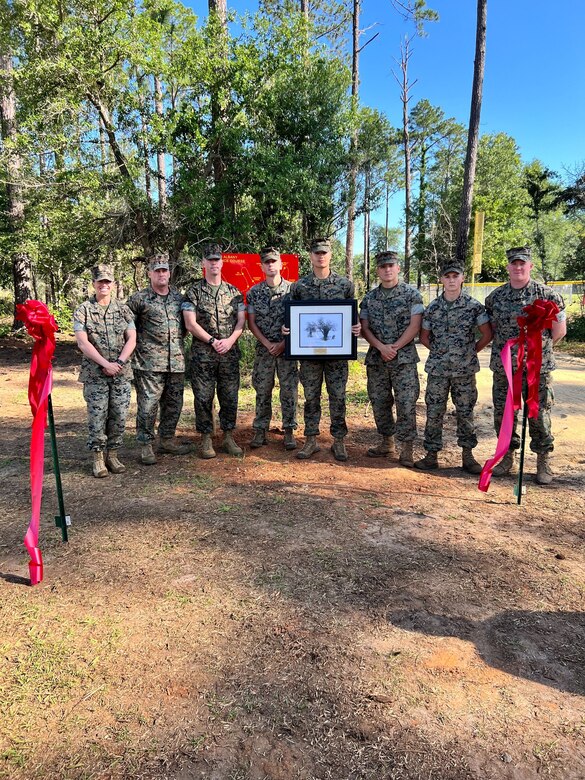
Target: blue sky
[535, 69]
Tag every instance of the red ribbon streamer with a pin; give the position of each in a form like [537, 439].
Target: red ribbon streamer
[41, 325]
[538, 316]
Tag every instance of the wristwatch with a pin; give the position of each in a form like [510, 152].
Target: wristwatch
[120, 362]
[211, 341]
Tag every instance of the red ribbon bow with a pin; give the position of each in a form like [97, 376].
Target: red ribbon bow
[538, 316]
[41, 325]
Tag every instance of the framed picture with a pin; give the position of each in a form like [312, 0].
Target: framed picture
[320, 330]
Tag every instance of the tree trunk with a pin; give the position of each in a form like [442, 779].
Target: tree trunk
[387, 216]
[422, 206]
[405, 97]
[367, 188]
[122, 165]
[21, 269]
[160, 155]
[220, 8]
[355, 80]
[473, 134]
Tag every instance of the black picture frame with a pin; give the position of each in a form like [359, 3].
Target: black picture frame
[321, 330]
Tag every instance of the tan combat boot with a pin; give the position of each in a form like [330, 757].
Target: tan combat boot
[172, 447]
[338, 449]
[468, 462]
[406, 455]
[99, 467]
[506, 465]
[544, 473]
[290, 443]
[230, 446]
[258, 439]
[310, 448]
[113, 463]
[147, 455]
[384, 449]
[207, 451]
[428, 463]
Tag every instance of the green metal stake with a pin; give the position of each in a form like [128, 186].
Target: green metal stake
[519, 489]
[61, 520]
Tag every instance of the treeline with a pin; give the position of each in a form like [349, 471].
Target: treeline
[130, 128]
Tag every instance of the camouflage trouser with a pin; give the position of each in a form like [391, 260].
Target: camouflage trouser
[107, 401]
[391, 383]
[265, 367]
[154, 388]
[464, 396]
[335, 373]
[222, 372]
[541, 438]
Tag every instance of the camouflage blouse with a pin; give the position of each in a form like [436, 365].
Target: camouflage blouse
[105, 327]
[388, 312]
[504, 305]
[309, 288]
[159, 331]
[216, 310]
[267, 305]
[453, 326]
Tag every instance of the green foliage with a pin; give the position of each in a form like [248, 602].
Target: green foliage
[63, 315]
[500, 193]
[576, 329]
[247, 344]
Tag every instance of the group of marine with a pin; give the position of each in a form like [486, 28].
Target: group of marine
[143, 340]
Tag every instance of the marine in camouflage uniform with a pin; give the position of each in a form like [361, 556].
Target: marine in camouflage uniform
[159, 360]
[391, 316]
[214, 313]
[312, 372]
[105, 333]
[265, 305]
[504, 305]
[449, 330]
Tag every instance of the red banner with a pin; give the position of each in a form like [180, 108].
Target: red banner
[245, 270]
[41, 325]
[538, 316]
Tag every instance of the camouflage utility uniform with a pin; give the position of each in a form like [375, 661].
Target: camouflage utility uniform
[388, 312]
[312, 372]
[452, 365]
[504, 305]
[267, 305]
[159, 362]
[107, 398]
[216, 310]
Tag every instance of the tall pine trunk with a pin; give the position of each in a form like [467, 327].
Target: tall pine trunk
[352, 180]
[21, 268]
[161, 167]
[473, 134]
[405, 88]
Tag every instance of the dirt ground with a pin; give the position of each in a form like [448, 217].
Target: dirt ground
[265, 618]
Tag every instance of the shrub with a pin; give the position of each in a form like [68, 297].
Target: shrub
[63, 316]
[576, 329]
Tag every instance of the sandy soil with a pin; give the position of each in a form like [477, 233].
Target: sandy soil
[255, 618]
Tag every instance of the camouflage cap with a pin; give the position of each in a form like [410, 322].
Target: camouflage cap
[212, 252]
[387, 257]
[523, 253]
[159, 262]
[452, 266]
[320, 245]
[102, 272]
[269, 253]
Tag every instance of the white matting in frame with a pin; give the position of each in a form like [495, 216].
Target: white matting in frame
[321, 329]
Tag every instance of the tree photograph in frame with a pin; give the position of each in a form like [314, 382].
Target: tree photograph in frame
[321, 330]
